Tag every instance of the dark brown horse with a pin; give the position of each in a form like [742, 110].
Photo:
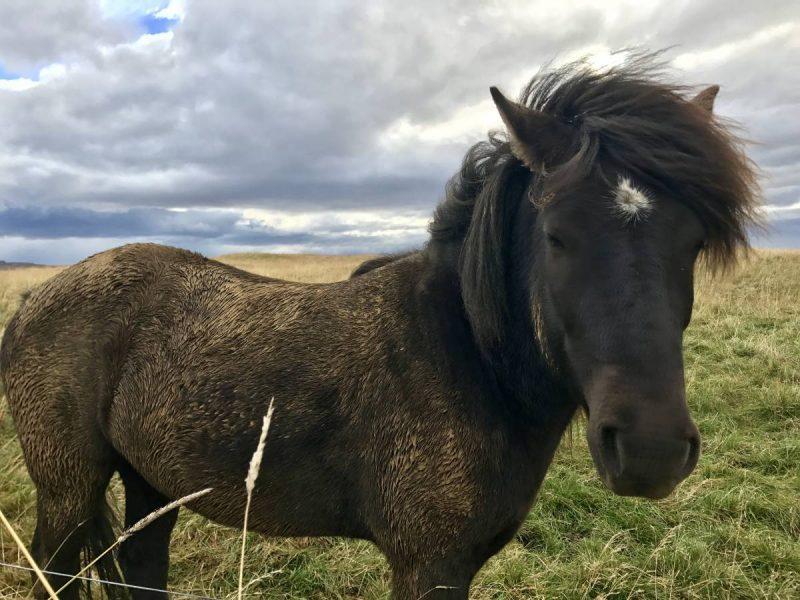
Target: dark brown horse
[418, 405]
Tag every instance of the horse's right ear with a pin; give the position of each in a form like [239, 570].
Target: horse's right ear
[537, 139]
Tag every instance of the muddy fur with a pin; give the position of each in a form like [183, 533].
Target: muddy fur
[418, 404]
[159, 361]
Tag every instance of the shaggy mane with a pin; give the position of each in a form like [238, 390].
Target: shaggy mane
[629, 119]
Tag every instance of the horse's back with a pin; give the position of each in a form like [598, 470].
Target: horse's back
[205, 358]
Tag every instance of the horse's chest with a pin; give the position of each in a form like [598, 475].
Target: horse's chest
[453, 481]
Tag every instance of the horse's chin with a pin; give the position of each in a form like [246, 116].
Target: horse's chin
[631, 489]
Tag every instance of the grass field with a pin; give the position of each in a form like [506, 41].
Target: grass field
[732, 530]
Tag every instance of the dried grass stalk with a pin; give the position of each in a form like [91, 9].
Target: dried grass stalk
[250, 484]
[138, 526]
[142, 523]
[28, 557]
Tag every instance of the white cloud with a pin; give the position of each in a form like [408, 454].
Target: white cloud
[786, 211]
[466, 125]
[175, 9]
[120, 9]
[17, 85]
[725, 52]
[46, 74]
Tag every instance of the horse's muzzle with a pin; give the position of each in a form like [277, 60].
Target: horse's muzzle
[648, 465]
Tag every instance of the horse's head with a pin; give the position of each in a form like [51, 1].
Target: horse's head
[623, 204]
[617, 293]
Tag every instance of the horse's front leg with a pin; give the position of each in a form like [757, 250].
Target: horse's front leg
[447, 578]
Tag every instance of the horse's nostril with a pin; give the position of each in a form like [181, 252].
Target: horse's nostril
[609, 445]
[692, 455]
[643, 463]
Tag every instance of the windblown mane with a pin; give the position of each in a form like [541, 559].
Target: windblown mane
[632, 119]
[628, 119]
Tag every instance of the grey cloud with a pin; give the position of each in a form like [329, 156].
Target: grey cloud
[259, 105]
[784, 233]
[198, 229]
[44, 223]
[34, 34]
[699, 25]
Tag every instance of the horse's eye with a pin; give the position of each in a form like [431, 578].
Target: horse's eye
[554, 241]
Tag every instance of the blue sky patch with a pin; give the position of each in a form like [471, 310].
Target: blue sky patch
[153, 24]
[4, 74]
[11, 74]
[144, 13]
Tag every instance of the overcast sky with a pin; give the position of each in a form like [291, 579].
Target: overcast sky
[324, 126]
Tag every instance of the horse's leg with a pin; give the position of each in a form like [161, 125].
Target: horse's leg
[144, 557]
[443, 579]
[68, 511]
[57, 541]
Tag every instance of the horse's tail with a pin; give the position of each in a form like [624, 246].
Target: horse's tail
[99, 537]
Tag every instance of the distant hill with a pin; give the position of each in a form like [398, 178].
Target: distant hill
[16, 265]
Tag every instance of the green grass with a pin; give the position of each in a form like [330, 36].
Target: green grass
[732, 530]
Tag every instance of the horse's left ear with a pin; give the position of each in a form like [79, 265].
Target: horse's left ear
[539, 140]
[705, 99]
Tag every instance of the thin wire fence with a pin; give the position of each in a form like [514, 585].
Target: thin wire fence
[116, 583]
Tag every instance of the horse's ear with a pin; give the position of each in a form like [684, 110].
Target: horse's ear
[537, 139]
[705, 99]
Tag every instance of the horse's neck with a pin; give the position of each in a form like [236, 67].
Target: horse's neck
[516, 370]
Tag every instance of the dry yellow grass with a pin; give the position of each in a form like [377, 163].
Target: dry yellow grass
[13, 282]
[297, 267]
